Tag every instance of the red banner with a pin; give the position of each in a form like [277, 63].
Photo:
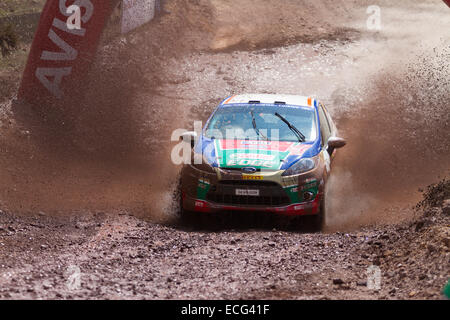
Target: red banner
[447, 2]
[63, 48]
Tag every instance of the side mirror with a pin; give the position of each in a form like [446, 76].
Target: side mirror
[336, 142]
[189, 137]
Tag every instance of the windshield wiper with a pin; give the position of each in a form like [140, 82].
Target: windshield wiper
[255, 127]
[301, 137]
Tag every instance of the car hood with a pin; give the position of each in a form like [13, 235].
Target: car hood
[259, 154]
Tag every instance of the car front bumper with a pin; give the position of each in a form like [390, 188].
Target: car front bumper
[268, 191]
[296, 209]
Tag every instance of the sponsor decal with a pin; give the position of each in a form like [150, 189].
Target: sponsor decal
[254, 153]
[251, 177]
[252, 156]
[281, 146]
[253, 163]
[309, 184]
[203, 188]
[62, 51]
[299, 149]
[199, 204]
[253, 142]
[292, 192]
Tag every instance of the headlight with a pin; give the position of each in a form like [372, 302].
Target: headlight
[301, 166]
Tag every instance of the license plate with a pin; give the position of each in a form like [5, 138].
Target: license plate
[247, 192]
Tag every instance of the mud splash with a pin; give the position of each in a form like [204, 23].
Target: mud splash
[99, 154]
[255, 24]
[398, 143]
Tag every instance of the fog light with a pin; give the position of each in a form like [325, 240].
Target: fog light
[307, 196]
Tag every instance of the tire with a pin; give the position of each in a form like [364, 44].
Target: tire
[192, 219]
[317, 222]
[185, 216]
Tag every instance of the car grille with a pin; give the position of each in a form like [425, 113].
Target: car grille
[241, 183]
[271, 193]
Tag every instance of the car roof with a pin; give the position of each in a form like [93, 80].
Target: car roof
[288, 99]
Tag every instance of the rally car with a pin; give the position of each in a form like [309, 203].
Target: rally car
[261, 152]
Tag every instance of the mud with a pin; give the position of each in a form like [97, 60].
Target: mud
[397, 144]
[95, 146]
[117, 256]
[95, 190]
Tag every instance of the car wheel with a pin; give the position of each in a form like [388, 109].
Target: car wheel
[185, 216]
[317, 222]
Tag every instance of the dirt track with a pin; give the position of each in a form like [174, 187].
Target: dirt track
[122, 257]
[389, 91]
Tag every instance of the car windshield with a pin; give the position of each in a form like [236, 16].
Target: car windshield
[262, 122]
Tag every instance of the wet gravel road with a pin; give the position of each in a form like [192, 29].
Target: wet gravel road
[121, 257]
